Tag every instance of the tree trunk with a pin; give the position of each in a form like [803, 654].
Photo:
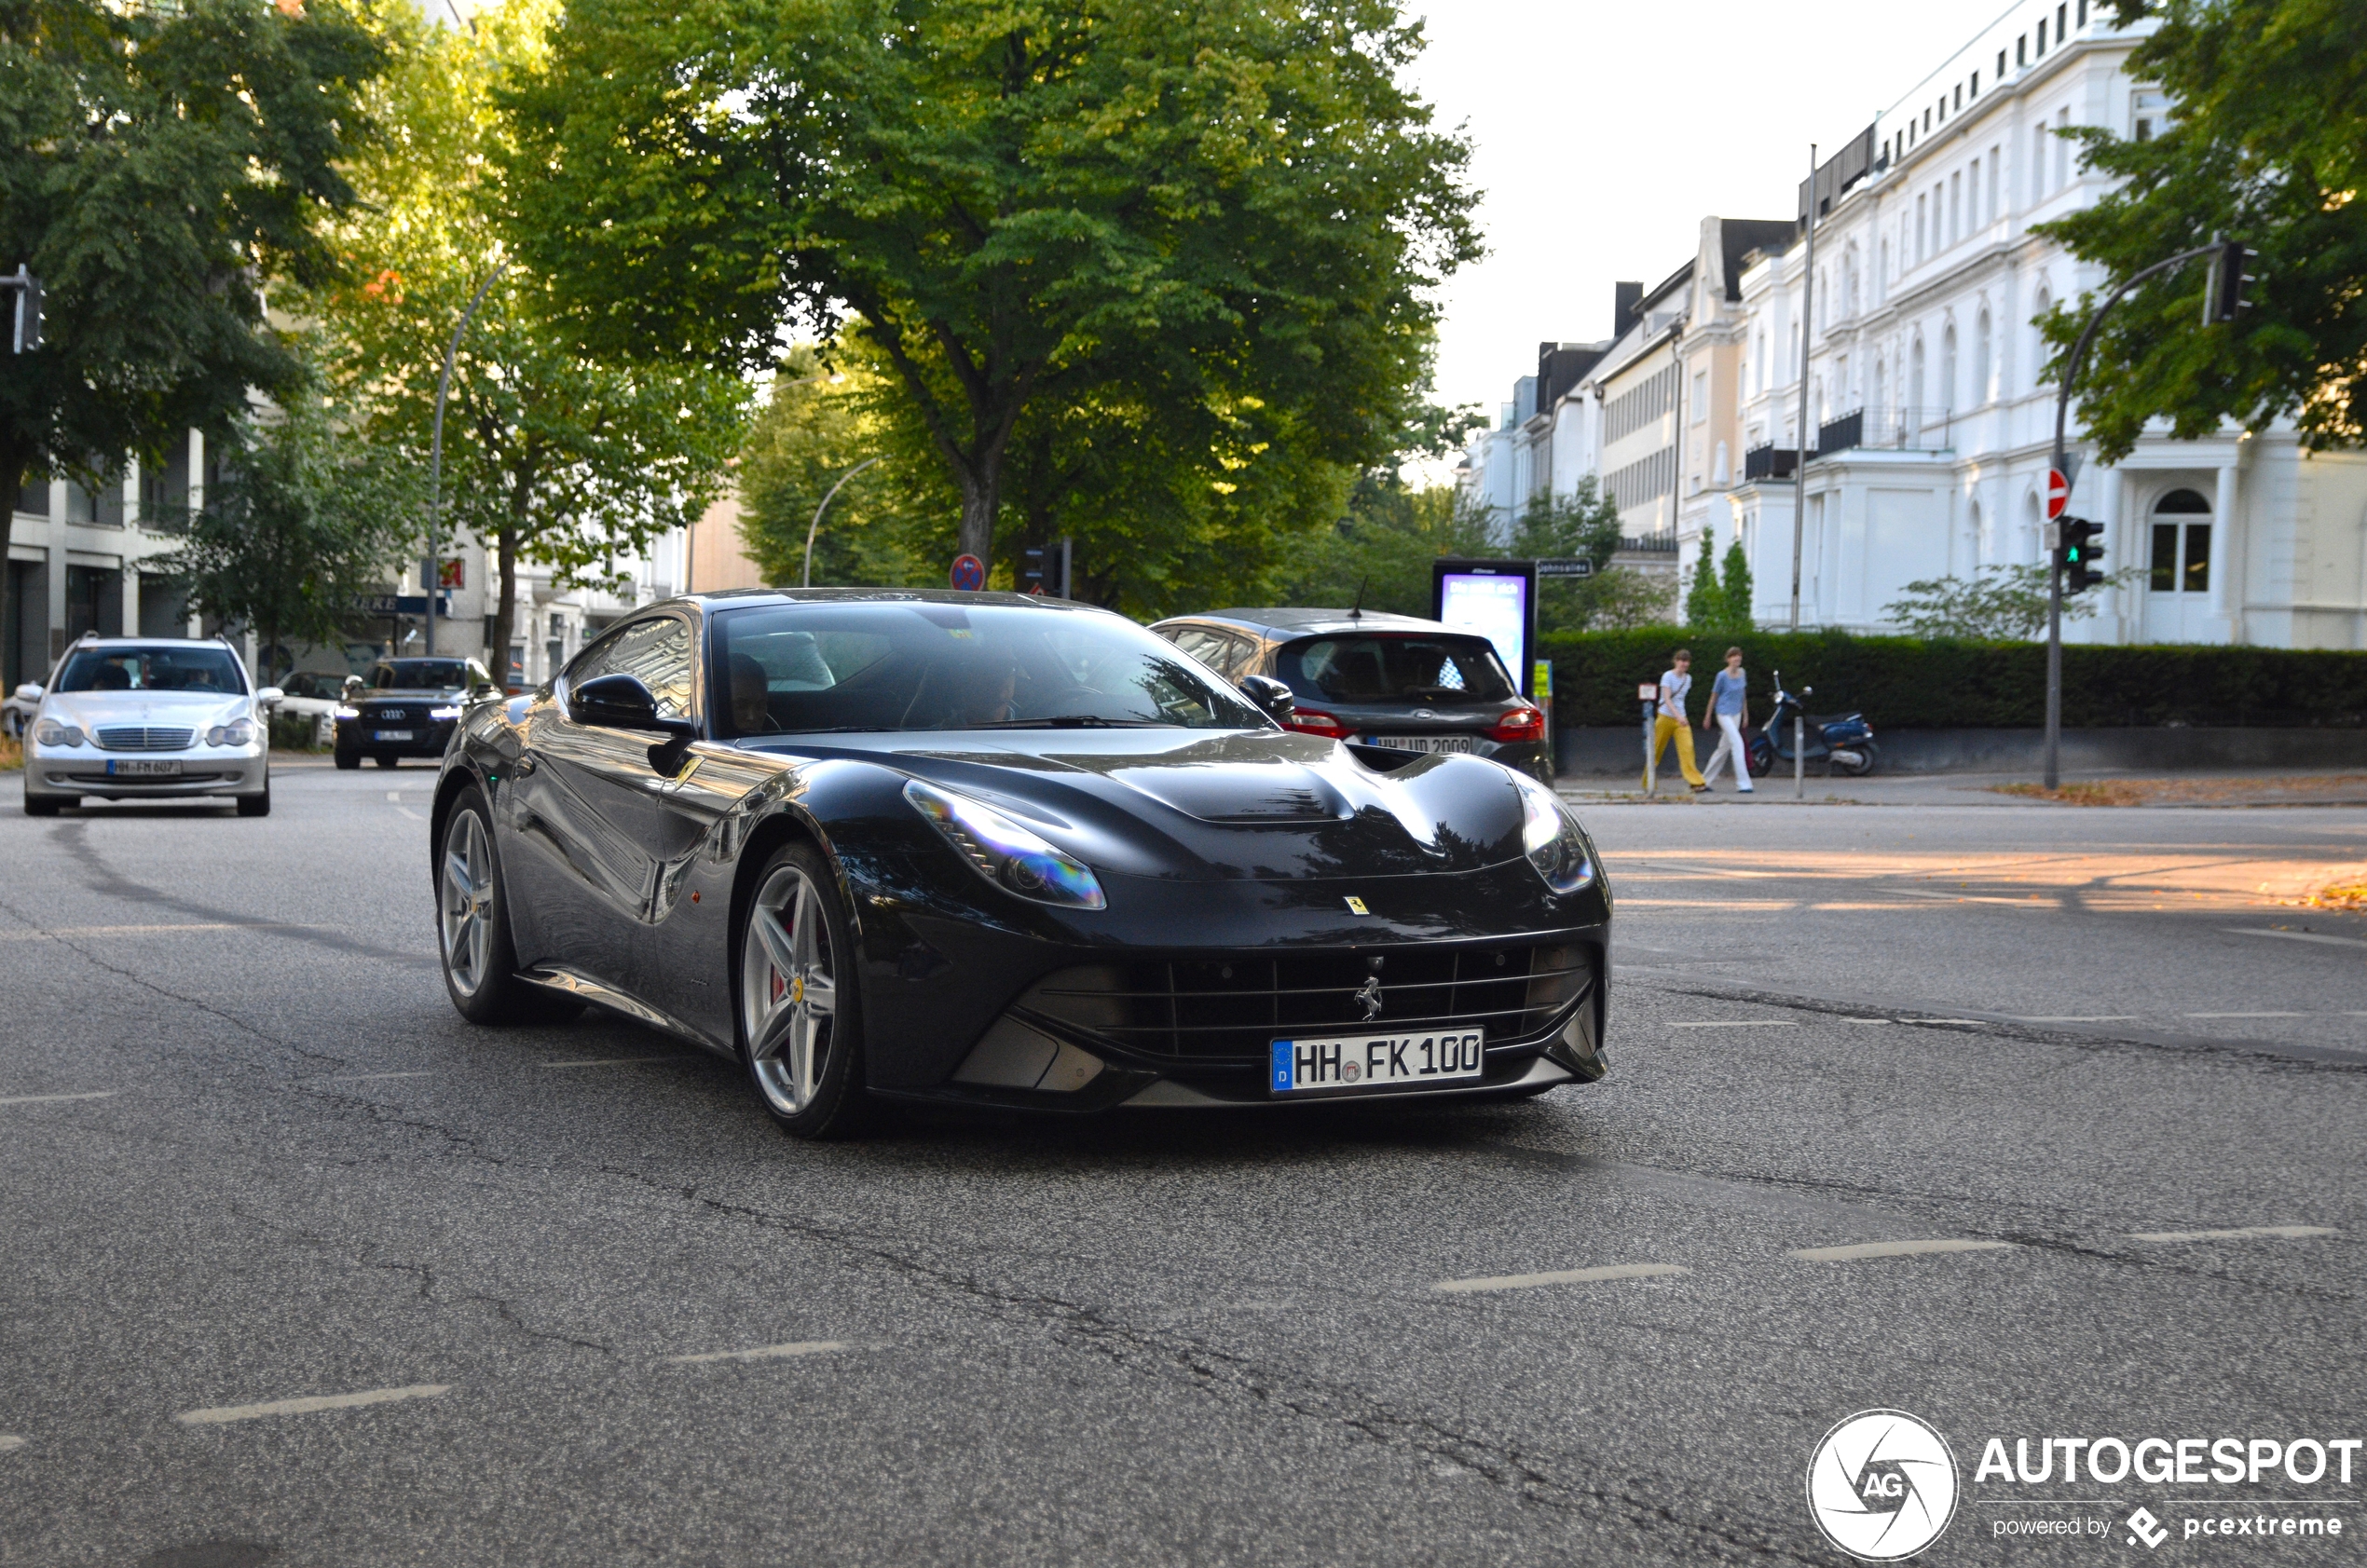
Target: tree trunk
[978, 505]
[505, 614]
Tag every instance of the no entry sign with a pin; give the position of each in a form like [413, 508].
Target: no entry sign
[2057, 494]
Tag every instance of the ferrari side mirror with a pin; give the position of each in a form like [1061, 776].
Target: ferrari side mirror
[1271, 696]
[620, 701]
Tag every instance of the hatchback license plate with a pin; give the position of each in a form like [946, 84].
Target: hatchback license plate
[121, 768]
[1424, 742]
[393, 734]
[1377, 1061]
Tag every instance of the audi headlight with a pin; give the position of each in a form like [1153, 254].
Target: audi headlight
[453, 712]
[1006, 853]
[238, 733]
[49, 732]
[347, 710]
[1551, 835]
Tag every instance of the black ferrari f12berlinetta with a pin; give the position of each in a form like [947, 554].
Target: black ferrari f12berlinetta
[882, 845]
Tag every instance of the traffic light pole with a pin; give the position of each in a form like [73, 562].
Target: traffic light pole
[2054, 551]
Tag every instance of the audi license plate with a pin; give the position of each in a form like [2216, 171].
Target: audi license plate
[393, 734]
[145, 768]
[1424, 742]
[1377, 1061]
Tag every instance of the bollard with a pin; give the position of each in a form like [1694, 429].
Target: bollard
[1650, 697]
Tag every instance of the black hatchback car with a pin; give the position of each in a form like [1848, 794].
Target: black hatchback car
[1376, 680]
[408, 709]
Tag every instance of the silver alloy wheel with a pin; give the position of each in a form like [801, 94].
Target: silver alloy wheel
[466, 902]
[789, 993]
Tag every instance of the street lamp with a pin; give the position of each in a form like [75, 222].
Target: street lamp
[808, 579]
[435, 463]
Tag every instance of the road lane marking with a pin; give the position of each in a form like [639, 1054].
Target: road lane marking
[763, 1352]
[1945, 1020]
[223, 1413]
[1891, 1249]
[53, 1099]
[2078, 1017]
[612, 1061]
[394, 795]
[407, 812]
[1740, 1023]
[8, 1443]
[2294, 935]
[1561, 1276]
[2246, 1015]
[2240, 1233]
[1864, 1021]
[374, 1077]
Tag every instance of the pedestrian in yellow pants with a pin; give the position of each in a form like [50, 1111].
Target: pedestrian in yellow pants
[1671, 721]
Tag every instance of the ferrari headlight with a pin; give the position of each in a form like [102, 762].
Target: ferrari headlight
[1551, 835]
[1006, 853]
[49, 732]
[238, 733]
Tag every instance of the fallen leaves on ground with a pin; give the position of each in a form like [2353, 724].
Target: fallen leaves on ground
[2185, 792]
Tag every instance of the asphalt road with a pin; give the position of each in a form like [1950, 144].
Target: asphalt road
[249, 1155]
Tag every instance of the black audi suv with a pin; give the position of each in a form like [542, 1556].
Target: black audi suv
[407, 710]
[1377, 679]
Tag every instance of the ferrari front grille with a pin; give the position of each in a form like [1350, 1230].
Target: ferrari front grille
[1230, 1009]
[137, 737]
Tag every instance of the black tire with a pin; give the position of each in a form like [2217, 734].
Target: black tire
[1872, 755]
[256, 805]
[493, 994]
[44, 805]
[349, 761]
[830, 1101]
[1760, 757]
[383, 761]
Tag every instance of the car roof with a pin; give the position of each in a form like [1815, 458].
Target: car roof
[1282, 622]
[734, 598]
[147, 641]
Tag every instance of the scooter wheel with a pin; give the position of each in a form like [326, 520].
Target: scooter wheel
[1868, 757]
[1761, 758]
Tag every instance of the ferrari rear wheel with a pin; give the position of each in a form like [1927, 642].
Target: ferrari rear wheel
[800, 1030]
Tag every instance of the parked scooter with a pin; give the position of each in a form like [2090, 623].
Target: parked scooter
[1844, 743]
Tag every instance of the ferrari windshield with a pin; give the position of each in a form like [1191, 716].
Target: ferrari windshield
[797, 669]
[198, 670]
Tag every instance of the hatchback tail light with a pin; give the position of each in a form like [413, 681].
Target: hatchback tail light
[1315, 721]
[1520, 724]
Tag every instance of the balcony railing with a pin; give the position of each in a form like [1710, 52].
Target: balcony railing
[1895, 429]
[1769, 462]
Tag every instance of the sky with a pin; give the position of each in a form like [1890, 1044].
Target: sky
[1603, 134]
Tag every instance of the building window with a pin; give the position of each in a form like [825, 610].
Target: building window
[1948, 367]
[1701, 396]
[2001, 65]
[1922, 205]
[1955, 207]
[2042, 37]
[2083, 13]
[2021, 49]
[2038, 140]
[1980, 359]
[1996, 175]
[2181, 558]
[1975, 84]
[2060, 31]
[2062, 150]
[1959, 95]
[2149, 114]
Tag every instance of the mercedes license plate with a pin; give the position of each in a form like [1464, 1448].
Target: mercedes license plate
[1424, 742]
[393, 734]
[125, 768]
[1377, 1061]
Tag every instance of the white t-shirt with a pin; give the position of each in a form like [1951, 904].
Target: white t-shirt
[1673, 689]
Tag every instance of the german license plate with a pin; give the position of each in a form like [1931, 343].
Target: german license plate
[393, 734]
[1424, 742]
[143, 769]
[1377, 1061]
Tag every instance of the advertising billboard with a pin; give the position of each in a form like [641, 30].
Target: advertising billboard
[1497, 600]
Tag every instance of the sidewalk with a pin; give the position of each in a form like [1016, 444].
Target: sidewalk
[2089, 790]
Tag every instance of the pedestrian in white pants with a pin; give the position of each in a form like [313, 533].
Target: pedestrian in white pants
[1730, 705]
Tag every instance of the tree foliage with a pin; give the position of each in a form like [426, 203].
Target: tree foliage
[2269, 145]
[1996, 604]
[813, 431]
[162, 163]
[298, 524]
[1120, 260]
[1714, 603]
[551, 454]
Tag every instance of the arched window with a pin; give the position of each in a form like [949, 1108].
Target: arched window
[1980, 359]
[1881, 400]
[2180, 561]
[1915, 379]
[2038, 338]
[1947, 392]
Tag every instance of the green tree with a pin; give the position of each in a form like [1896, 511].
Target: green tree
[1585, 524]
[1996, 604]
[812, 431]
[1738, 587]
[300, 522]
[162, 163]
[551, 454]
[2267, 144]
[1113, 256]
[1704, 595]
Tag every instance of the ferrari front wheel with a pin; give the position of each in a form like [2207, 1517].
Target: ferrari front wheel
[800, 1015]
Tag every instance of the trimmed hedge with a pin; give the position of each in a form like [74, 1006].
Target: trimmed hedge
[1903, 683]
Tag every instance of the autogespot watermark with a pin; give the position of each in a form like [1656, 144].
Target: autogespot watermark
[1882, 1485]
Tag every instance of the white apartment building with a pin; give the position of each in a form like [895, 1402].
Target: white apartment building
[1930, 424]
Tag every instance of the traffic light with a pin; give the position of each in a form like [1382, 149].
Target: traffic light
[2083, 555]
[2225, 296]
[1045, 569]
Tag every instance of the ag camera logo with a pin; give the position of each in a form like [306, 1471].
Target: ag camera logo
[1881, 1485]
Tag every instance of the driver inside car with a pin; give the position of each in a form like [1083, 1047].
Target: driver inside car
[751, 697]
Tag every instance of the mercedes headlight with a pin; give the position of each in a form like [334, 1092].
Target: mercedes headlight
[1014, 858]
[238, 733]
[49, 732]
[1551, 835]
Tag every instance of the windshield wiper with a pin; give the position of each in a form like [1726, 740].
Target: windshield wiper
[1068, 721]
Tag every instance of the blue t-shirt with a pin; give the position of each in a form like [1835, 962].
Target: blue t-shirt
[1725, 693]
